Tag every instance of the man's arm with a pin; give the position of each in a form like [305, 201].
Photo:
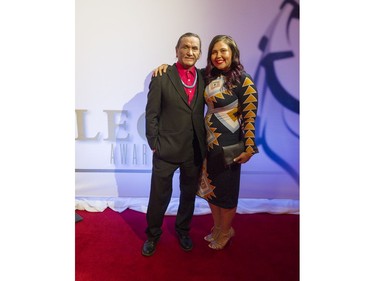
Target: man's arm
[153, 109]
[160, 70]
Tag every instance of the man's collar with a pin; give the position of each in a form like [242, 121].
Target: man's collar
[182, 69]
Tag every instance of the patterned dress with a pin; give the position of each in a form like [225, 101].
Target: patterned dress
[230, 117]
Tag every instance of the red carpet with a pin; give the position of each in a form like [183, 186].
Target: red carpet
[108, 248]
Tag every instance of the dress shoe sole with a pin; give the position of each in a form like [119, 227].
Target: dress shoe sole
[148, 254]
[186, 249]
[185, 241]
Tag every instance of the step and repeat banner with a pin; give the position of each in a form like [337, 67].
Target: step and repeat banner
[119, 43]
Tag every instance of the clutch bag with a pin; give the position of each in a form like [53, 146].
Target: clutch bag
[232, 151]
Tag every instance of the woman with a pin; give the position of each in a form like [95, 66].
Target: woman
[232, 101]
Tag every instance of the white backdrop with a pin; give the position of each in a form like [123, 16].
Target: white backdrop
[118, 43]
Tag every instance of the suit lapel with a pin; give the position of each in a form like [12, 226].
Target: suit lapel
[176, 81]
[199, 89]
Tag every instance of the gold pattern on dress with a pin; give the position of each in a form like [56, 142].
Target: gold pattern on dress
[233, 113]
[211, 135]
[206, 189]
[249, 114]
[212, 99]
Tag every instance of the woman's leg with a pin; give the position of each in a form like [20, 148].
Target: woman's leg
[226, 231]
[226, 218]
[216, 215]
[215, 230]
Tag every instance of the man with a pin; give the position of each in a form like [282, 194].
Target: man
[176, 134]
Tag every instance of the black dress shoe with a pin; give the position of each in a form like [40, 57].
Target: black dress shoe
[185, 242]
[149, 248]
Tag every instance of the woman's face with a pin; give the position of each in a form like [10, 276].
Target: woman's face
[221, 56]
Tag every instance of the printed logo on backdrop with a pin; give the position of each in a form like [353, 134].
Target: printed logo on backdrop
[124, 138]
[279, 105]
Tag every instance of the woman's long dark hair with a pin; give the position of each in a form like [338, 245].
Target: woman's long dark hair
[233, 75]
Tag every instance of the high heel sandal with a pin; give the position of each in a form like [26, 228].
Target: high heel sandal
[215, 231]
[222, 240]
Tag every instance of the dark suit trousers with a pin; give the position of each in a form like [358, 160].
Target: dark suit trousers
[161, 192]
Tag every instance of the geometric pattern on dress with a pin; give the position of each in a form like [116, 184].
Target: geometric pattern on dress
[211, 135]
[227, 116]
[249, 113]
[206, 189]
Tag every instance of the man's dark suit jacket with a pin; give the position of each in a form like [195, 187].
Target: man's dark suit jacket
[171, 121]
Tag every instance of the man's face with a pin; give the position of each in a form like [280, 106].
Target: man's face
[188, 51]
